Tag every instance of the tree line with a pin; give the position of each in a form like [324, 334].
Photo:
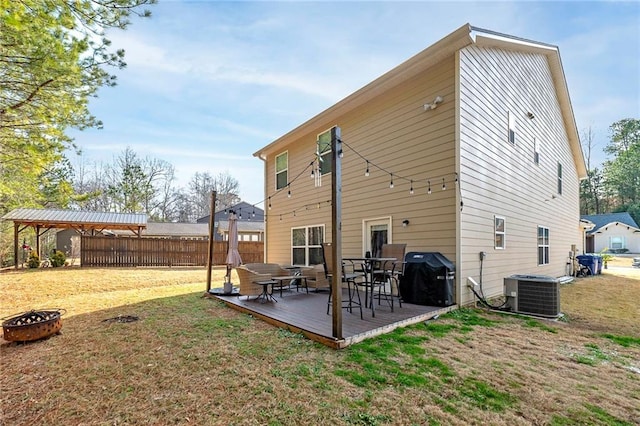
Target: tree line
[133, 184]
[615, 187]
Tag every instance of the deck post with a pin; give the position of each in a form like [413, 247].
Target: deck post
[336, 230]
[211, 234]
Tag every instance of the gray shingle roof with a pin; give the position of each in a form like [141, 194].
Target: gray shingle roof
[601, 220]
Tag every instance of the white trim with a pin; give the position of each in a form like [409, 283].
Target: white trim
[384, 220]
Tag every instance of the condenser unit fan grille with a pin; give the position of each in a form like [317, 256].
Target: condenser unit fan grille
[535, 295]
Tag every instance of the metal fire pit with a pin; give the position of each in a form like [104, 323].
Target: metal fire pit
[32, 325]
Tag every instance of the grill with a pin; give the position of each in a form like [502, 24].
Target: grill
[428, 279]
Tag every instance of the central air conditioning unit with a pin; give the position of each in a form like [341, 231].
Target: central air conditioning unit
[533, 295]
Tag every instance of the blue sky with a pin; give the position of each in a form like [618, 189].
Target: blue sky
[209, 83]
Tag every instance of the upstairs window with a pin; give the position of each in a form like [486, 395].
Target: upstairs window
[282, 165]
[543, 245]
[559, 179]
[324, 149]
[512, 128]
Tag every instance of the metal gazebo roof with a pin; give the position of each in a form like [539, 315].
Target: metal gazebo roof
[77, 219]
[83, 221]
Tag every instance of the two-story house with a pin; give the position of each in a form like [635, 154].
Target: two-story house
[470, 146]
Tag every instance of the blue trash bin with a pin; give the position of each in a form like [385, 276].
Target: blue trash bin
[590, 261]
[599, 266]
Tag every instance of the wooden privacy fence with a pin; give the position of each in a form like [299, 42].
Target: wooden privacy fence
[127, 251]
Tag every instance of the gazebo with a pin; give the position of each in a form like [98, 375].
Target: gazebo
[84, 222]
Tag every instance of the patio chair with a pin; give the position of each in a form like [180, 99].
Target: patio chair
[388, 284]
[388, 274]
[348, 278]
[250, 273]
[248, 279]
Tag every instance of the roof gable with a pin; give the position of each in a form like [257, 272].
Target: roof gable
[602, 220]
[445, 48]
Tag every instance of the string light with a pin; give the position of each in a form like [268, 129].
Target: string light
[315, 173]
[254, 211]
[240, 213]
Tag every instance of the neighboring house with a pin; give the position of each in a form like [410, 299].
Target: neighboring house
[478, 137]
[250, 222]
[613, 231]
[193, 231]
[247, 231]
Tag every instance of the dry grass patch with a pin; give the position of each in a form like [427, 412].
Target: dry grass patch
[82, 290]
[608, 303]
[191, 360]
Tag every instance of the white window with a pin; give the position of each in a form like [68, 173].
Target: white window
[536, 151]
[512, 128]
[282, 166]
[324, 149]
[616, 243]
[559, 179]
[500, 232]
[543, 245]
[306, 245]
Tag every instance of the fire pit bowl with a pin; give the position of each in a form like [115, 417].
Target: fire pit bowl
[32, 325]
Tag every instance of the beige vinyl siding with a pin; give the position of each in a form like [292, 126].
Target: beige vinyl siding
[500, 178]
[395, 132]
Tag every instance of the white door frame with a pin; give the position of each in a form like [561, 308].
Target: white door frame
[366, 231]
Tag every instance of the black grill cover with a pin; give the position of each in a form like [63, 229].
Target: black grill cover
[428, 279]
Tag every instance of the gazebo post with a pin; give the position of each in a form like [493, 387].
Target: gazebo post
[15, 244]
[38, 241]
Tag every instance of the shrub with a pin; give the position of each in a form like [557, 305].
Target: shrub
[34, 260]
[57, 259]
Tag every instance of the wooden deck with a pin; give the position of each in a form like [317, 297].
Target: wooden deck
[307, 314]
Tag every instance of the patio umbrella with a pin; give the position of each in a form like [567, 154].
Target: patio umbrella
[233, 256]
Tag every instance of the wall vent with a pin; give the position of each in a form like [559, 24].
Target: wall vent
[533, 295]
